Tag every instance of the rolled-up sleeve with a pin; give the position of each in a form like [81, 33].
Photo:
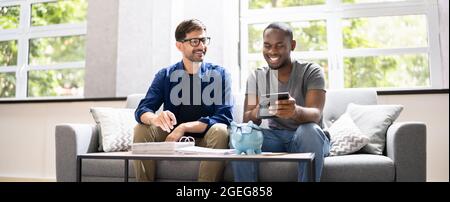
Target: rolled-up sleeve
[222, 112]
[154, 97]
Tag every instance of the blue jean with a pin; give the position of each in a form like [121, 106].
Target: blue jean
[308, 137]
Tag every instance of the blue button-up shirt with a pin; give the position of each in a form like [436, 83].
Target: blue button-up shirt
[160, 93]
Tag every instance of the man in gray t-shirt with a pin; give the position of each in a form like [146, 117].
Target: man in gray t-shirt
[296, 127]
[304, 76]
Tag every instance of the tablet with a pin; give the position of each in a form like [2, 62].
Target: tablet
[265, 101]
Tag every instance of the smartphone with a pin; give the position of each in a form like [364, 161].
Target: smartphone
[276, 96]
[266, 100]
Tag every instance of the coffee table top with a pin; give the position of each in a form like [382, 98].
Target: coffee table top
[180, 156]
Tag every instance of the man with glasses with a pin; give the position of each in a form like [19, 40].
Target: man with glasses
[196, 100]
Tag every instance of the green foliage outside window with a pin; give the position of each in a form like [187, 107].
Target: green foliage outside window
[8, 53]
[56, 50]
[387, 71]
[60, 12]
[310, 36]
[9, 17]
[63, 82]
[379, 32]
[7, 84]
[257, 4]
[45, 51]
[385, 32]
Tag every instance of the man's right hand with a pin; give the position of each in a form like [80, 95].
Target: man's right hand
[165, 120]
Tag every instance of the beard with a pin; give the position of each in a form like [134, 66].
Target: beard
[194, 58]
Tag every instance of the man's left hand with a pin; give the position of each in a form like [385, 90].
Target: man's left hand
[176, 134]
[283, 108]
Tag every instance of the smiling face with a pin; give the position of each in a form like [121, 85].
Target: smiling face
[193, 54]
[277, 48]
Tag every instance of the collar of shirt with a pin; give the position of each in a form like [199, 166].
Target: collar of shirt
[200, 73]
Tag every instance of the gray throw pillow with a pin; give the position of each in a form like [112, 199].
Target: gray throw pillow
[373, 121]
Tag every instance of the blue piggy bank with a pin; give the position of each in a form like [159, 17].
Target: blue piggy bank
[246, 138]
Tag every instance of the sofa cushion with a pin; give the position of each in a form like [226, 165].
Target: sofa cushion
[355, 167]
[165, 170]
[346, 137]
[358, 168]
[106, 168]
[116, 126]
[374, 120]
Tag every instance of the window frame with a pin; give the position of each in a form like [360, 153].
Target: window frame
[333, 12]
[23, 34]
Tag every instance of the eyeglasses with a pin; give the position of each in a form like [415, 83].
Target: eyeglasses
[196, 41]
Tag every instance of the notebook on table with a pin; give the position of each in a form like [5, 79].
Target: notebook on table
[186, 145]
[161, 147]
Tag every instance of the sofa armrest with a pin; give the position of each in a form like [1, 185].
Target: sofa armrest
[70, 140]
[406, 146]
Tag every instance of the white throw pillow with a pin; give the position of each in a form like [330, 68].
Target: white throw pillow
[116, 127]
[346, 137]
[373, 121]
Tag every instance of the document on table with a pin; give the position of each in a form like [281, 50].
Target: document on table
[203, 150]
[159, 147]
[273, 153]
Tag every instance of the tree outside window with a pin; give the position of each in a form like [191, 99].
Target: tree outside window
[49, 70]
[380, 70]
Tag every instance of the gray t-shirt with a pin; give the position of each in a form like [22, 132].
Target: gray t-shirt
[304, 76]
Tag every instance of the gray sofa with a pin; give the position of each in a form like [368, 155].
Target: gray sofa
[404, 158]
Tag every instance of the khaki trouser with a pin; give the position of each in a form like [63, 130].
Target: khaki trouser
[209, 171]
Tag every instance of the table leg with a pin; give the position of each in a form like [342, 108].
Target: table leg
[312, 170]
[79, 169]
[126, 171]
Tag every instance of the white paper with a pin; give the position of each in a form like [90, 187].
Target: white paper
[203, 150]
[158, 147]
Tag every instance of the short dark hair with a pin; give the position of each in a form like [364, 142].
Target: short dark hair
[281, 26]
[188, 26]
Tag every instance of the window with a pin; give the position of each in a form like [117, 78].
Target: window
[42, 48]
[383, 44]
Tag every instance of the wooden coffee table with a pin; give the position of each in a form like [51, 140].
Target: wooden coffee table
[126, 156]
